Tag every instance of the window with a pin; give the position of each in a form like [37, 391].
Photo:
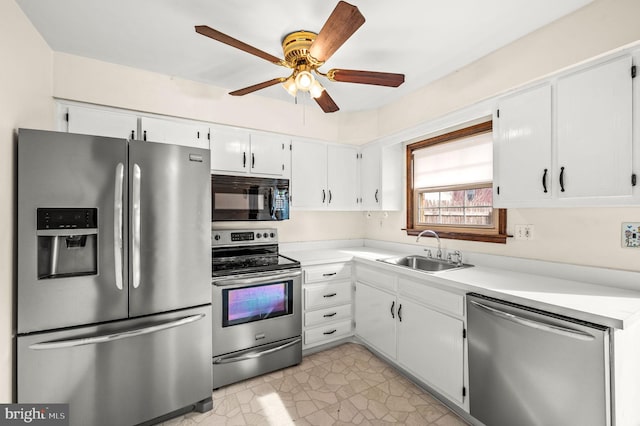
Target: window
[449, 186]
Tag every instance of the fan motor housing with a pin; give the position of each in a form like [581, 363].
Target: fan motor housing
[296, 46]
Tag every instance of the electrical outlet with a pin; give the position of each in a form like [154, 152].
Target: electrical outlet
[523, 232]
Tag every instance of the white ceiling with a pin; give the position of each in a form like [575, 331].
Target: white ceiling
[424, 39]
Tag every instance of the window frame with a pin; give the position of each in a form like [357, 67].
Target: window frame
[495, 234]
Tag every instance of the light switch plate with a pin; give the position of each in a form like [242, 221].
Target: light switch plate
[631, 234]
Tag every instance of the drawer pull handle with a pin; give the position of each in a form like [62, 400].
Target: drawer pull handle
[330, 332]
[333, 314]
[329, 274]
[330, 295]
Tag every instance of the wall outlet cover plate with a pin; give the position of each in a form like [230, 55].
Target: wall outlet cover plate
[631, 234]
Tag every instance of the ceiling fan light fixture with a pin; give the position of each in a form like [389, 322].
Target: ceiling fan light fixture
[304, 80]
[290, 86]
[316, 89]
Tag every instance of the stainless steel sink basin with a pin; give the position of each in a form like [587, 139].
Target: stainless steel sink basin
[423, 263]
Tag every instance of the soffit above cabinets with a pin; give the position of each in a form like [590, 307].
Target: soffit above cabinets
[425, 40]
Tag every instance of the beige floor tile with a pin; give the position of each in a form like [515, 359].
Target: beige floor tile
[345, 385]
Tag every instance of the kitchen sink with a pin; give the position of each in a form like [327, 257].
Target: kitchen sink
[424, 264]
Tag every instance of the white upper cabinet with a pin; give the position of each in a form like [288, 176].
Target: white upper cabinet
[101, 122]
[229, 150]
[342, 178]
[308, 175]
[568, 142]
[239, 151]
[269, 153]
[381, 177]
[324, 176]
[594, 131]
[175, 132]
[522, 148]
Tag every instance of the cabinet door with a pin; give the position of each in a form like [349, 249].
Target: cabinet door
[430, 345]
[308, 175]
[342, 178]
[370, 178]
[268, 154]
[174, 132]
[376, 312]
[97, 122]
[594, 131]
[522, 144]
[230, 150]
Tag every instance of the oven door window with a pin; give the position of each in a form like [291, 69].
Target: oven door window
[258, 302]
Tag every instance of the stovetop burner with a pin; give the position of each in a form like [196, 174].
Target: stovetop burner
[241, 252]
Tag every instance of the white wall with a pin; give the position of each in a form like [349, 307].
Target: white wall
[585, 236]
[25, 101]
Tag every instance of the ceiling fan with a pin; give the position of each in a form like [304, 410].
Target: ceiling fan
[306, 51]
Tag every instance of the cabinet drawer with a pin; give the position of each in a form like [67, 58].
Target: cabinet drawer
[328, 332]
[327, 315]
[424, 293]
[327, 294]
[376, 277]
[334, 271]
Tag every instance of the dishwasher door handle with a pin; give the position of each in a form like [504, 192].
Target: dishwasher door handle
[551, 328]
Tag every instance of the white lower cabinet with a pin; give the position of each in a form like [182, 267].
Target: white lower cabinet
[430, 345]
[327, 297]
[416, 324]
[376, 318]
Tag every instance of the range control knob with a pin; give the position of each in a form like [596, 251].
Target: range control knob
[258, 235]
[272, 235]
[265, 235]
[216, 237]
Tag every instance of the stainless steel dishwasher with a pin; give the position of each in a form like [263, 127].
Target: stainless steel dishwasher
[529, 367]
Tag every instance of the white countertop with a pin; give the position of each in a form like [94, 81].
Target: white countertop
[600, 304]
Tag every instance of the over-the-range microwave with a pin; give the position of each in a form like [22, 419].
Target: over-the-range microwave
[248, 198]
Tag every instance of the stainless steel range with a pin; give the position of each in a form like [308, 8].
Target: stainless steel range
[257, 320]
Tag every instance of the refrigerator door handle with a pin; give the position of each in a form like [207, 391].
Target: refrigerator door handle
[551, 328]
[135, 242]
[118, 224]
[104, 338]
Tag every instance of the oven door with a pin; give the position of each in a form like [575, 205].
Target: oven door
[256, 309]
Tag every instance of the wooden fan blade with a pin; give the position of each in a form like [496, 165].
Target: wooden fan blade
[326, 103]
[223, 38]
[366, 77]
[342, 23]
[263, 85]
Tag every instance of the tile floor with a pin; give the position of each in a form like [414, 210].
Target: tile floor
[345, 385]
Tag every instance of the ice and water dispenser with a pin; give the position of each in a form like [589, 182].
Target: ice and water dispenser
[67, 242]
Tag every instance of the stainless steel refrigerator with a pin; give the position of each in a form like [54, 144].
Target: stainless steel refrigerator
[114, 277]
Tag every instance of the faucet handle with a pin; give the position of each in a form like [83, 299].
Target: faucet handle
[428, 252]
[458, 255]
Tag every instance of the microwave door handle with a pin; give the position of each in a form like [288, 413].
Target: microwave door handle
[135, 242]
[118, 225]
[272, 209]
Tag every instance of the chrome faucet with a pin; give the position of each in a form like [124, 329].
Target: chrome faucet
[429, 231]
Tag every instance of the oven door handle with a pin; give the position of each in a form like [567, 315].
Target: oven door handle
[252, 355]
[257, 278]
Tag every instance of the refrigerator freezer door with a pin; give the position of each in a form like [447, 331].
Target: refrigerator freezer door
[122, 373]
[170, 221]
[69, 171]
